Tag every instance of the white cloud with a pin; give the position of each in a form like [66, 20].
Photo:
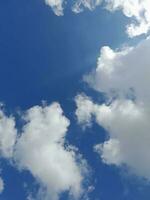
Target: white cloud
[79, 5]
[123, 76]
[8, 135]
[1, 185]
[41, 150]
[137, 9]
[56, 5]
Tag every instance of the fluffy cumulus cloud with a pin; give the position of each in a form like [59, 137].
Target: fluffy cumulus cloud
[123, 77]
[41, 149]
[56, 5]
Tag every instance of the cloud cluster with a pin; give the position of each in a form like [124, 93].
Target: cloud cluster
[41, 149]
[137, 10]
[123, 76]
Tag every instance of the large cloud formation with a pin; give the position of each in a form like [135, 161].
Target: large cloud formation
[123, 77]
[137, 10]
[41, 149]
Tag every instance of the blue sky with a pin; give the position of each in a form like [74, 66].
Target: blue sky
[44, 57]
